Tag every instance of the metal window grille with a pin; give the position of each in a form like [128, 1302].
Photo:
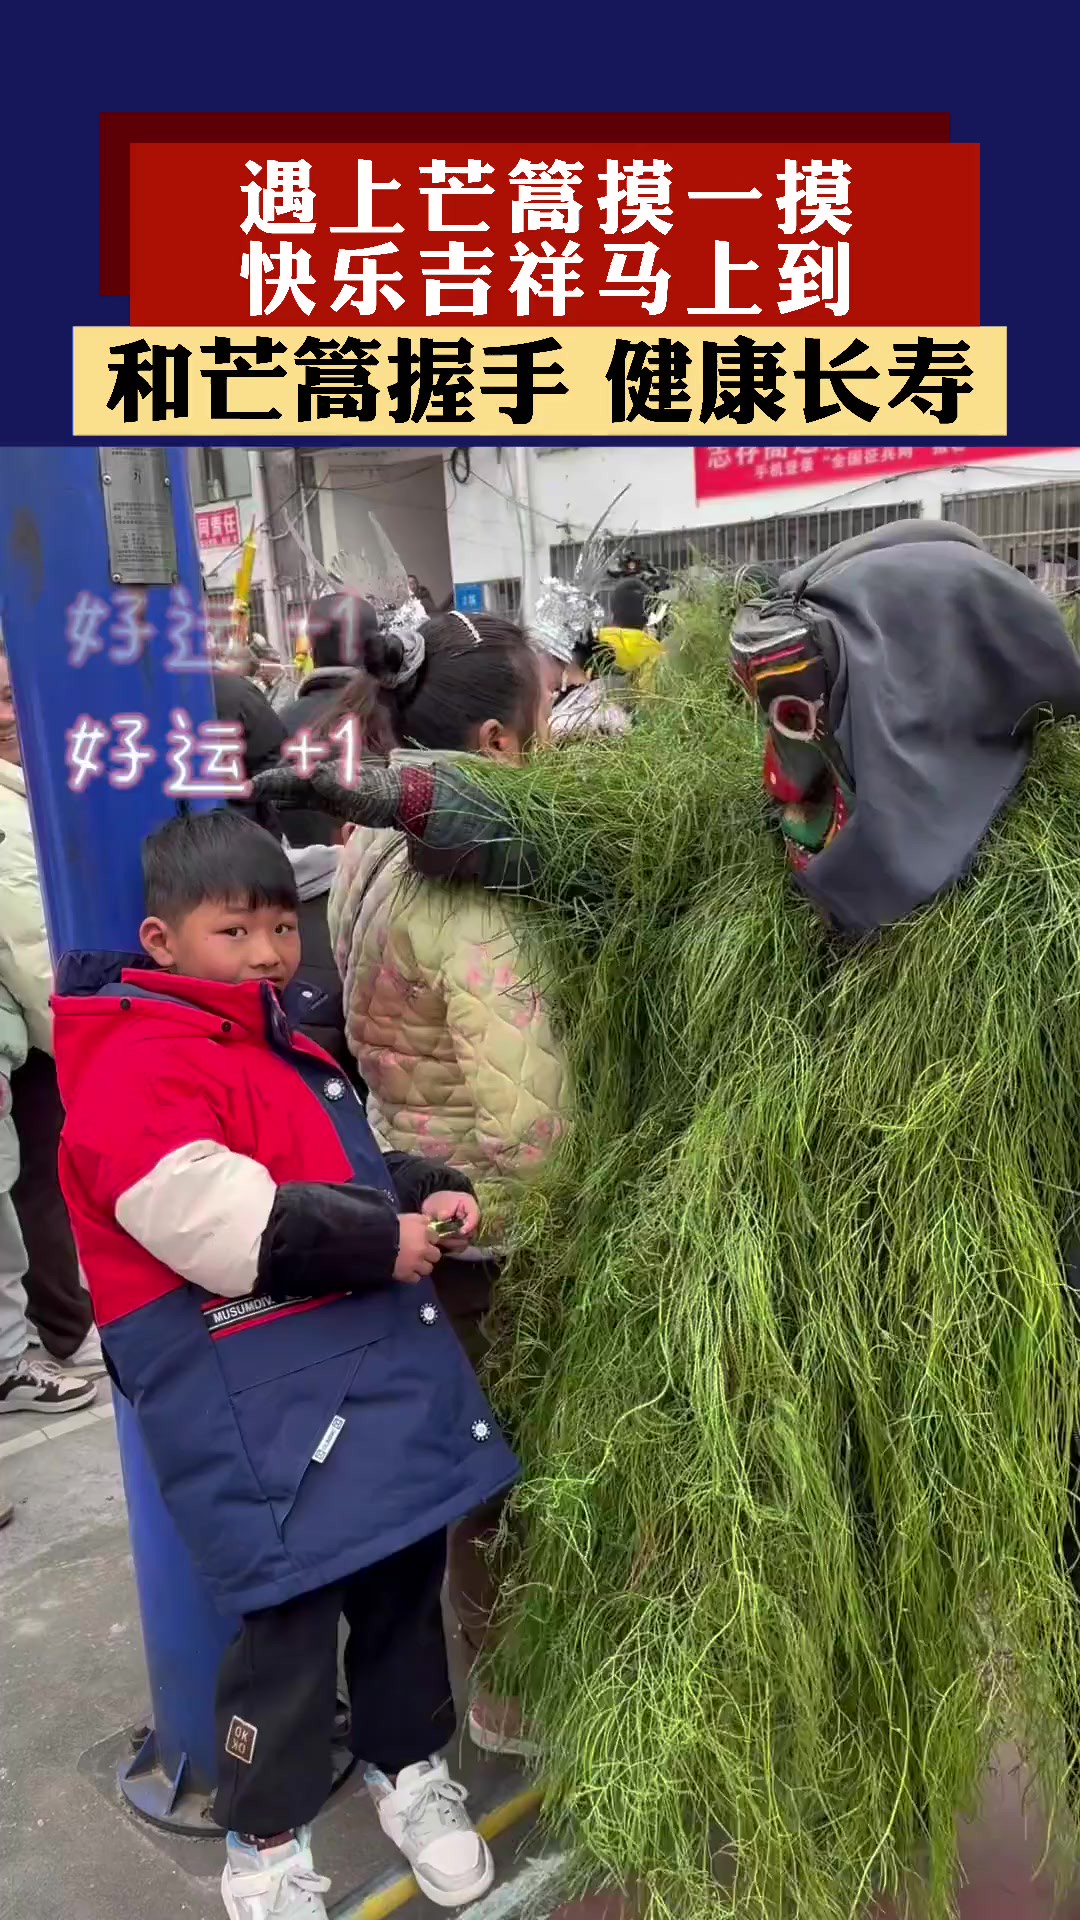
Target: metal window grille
[788, 538]
[1036, 529]
[219, 615]
[504, 599]
[218, 473]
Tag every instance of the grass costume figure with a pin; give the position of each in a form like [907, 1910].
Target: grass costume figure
[784, 1338]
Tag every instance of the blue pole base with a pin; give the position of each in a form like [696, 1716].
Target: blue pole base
[166, 1797]
[184, 1635]
[172, 1796]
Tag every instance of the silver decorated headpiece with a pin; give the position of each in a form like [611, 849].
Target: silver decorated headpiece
[567, 611]
[565, 614]
[374, 570]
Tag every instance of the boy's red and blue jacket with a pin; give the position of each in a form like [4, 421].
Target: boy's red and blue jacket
[305, 1414]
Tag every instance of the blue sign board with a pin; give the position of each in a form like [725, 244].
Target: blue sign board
[101, 605]
[470, 599]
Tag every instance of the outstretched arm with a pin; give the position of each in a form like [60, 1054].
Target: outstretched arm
[456, 830]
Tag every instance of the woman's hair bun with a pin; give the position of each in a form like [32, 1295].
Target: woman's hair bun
[384, 656]
[339, 629]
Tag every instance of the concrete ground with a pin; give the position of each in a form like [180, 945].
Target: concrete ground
[72, 1686]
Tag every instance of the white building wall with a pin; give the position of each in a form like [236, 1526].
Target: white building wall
[483, 521]
[404, 488]
[572, 486]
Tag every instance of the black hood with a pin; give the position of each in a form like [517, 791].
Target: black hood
[948, 660]
[81, 972]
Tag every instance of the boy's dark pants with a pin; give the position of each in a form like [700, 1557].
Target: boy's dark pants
[277, 1689]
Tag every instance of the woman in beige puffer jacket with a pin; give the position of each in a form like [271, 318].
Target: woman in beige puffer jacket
[452, 1041]
[449, 1036]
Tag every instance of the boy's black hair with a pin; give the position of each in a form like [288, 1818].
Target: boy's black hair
[214, 856]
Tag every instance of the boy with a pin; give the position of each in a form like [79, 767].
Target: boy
[261, 1278]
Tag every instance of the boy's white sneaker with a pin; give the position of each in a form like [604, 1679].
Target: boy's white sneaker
[272, 1883]
[424, 1815]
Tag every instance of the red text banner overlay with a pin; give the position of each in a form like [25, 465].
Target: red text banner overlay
[470, 233]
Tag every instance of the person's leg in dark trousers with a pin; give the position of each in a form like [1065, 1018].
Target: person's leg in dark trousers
[276, 1701]
[58, 1302]
[465, 1290]
[395, 1658]
[475, 1575]
[477, 1556]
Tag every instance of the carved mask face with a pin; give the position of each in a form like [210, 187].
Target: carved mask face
[781, 669]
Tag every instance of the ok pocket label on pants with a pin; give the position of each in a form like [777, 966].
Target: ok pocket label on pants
[240, 1740]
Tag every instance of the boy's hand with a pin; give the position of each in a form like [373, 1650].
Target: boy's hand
[418, 1252]
[453, 1206]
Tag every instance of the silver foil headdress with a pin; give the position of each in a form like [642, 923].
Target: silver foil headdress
[568, 611]
[565, 614]
[374, 570]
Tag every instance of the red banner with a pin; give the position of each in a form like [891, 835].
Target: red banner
[725, 470]
[218, 526]
[470, 231]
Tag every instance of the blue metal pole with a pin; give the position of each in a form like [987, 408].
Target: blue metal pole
[84, 648]
[171, 1775]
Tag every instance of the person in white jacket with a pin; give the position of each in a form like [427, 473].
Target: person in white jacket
[25, 961]
[26, 1385]
[59, 1304]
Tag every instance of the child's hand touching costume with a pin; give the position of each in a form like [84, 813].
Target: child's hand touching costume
[418, 1252]
[453, 1206]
